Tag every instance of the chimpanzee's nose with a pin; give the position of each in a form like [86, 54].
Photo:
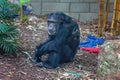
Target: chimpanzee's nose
[50, 28]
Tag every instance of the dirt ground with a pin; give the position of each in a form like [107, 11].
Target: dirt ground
[31, 34]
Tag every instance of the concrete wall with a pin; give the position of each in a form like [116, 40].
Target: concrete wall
[82, 10]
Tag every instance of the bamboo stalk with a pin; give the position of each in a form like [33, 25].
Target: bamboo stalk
[114, 23]
[101, 17]
[106, 14]
[21, 12]
[118, 18]
[117, 15]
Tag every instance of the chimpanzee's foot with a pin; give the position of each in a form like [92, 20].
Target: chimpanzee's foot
[36, 61]
[43, 64]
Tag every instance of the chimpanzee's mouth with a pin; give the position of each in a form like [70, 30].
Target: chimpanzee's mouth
[51, 32]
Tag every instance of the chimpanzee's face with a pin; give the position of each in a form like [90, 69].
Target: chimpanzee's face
[52, 24]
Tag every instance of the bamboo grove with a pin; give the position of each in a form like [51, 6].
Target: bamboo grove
[103, 16]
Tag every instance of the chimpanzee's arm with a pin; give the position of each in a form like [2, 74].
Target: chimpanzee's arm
[57, 42]
[61, 36]
[50, 37]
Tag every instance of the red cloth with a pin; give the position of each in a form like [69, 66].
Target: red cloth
[91, 50]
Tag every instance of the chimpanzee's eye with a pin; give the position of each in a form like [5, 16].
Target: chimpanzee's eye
[53, 23]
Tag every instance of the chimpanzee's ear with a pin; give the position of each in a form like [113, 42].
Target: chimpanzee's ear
[49, 15]
[67, 19]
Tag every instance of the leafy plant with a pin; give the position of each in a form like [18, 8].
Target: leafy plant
[8, 38]
[8, 9]
[8, 31]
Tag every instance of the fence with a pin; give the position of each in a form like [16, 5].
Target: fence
[82, 10]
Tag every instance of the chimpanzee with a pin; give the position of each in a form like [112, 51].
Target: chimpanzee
[62, 43]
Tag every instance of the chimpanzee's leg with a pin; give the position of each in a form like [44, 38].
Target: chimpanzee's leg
[54, 59]
[67, 55]
[39, 51]
[52, 62]
[36, 57]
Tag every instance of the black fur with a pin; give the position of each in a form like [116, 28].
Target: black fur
[60, 47]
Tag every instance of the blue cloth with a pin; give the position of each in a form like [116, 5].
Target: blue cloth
[14, 15]
[11, 15]
[25, 10]
[91, 42]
